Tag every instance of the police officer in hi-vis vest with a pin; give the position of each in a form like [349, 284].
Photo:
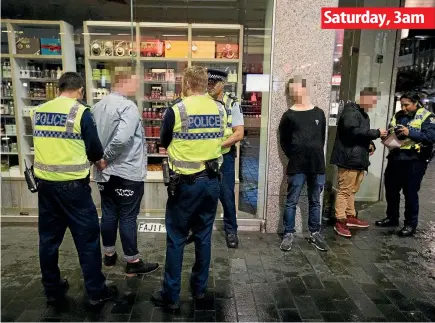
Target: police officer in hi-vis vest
[66, 141]
[407, 165]
[233, 134]
[192, 130]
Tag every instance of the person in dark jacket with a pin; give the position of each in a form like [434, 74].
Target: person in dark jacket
[407, 165]
[352, 147]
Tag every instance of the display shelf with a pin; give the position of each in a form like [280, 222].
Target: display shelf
[111, 58]
[38, 80]
[216, 60]
[54, 36]
[8, 116]
[7, 98]
[37, 57]
[5, 153]
[190, 44]
[36, 99]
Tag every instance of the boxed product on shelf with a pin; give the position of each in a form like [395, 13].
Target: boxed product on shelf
[176, 48]
[203, 49]
[229, 51]
[152, 48]
[26, 45]
[51, 46]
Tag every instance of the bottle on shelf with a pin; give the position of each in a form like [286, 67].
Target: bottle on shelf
[58, 72]
[4, 69]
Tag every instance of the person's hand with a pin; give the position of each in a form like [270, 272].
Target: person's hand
[371, 149]
[383, 133]
[101, 164]
[403, 131]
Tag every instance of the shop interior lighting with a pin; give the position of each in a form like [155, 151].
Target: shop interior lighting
[174, 35]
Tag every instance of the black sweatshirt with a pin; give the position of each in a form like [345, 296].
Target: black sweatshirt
[302, 138]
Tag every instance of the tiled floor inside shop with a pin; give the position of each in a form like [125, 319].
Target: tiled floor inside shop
[375, 276]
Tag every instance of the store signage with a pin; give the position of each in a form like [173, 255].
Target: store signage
[151, 227]
[377, 18]
[336, 80]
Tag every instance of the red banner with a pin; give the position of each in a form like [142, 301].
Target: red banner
[378, 18]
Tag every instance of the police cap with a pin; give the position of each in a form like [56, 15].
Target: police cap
[216, 75]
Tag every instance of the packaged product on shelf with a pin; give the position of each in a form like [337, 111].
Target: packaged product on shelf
[26, 45]
[58, 72]
[123, 48]
[108, 48]
[228, 51]
[170, 75]
[162, 151]
[203, 49]
[51, 46]
[152, 48]
[96, 48]
[176, 48]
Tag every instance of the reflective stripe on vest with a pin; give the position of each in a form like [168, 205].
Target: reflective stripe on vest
[415, 124]
[185, 164]
[61, 168]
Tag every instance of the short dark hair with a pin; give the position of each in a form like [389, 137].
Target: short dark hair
[369, 91]
[70, 81]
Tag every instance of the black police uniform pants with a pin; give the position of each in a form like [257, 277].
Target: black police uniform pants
[69, 204]
[193, 207]
[404, 175]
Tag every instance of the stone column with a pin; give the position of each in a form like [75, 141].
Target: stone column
[301, 47]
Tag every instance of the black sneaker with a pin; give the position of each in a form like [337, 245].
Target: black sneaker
[60, 295]
[159, 301]
[110, 293]
[287, 242]
[317, 240]
[232, 240]
[110, 261]
[140, 267]
[189, 238]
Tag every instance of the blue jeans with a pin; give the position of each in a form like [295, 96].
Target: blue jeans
[69, 204]
[315, 183]
[227, 196]
[193, 207]
[120, 203]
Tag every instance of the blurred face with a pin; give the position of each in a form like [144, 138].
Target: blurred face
[368, 102]
[297, 91]
[130, 85]
[215, 88]
[408, 106]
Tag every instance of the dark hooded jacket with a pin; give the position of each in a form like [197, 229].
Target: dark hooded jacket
[354, 136]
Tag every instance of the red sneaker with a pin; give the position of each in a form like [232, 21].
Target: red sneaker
[341, 229]
[353, 222]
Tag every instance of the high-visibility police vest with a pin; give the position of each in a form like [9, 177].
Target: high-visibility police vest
[197, 135]
[60, 153]
[415, 124]
[229, 100]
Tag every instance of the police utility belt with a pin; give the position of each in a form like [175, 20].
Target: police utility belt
[174, 179]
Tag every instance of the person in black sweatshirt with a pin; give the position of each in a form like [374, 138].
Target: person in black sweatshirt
[302, 138]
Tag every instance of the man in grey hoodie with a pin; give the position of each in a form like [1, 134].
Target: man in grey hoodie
[120, 175]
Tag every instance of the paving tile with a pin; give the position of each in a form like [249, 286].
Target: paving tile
[226, 310]
[312, 282]
[402, 303]
[392, 313]
[31, 315]
[415, 316]
[248, 318]
[349, 311]
[323, 300]
[205, 316]
[142, 312]
[268, 313]
[262, 294]
[307, 308]
[331, 316]
[289, 315]
[297, 286]
[427, 308]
